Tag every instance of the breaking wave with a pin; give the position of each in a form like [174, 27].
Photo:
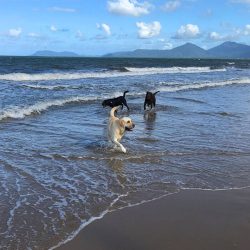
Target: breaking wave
[21, 112]
[168, 86]
[202, 85]
[51, 87]
[174, 70]
[106, 74]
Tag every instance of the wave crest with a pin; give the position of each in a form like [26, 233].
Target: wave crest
[21, 112]
[51, 87]
[127, 71]
[174, 70]
[202, 85]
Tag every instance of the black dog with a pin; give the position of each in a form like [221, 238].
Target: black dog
[120, 100]
[150, 99]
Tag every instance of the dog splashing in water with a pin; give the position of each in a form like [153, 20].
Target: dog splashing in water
[117, 128]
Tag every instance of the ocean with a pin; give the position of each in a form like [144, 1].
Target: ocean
[58, 173]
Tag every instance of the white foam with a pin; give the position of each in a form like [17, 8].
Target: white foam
[153, 70]
[49, 87]
[83, 75]
[21, 112]
[203, 85]
[216, 189]
[164, 88]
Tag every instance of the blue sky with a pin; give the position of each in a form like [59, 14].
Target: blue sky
[96, 27]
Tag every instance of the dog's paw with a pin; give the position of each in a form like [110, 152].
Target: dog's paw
[124, 150]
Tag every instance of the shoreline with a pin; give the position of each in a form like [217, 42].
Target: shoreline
[191, 219]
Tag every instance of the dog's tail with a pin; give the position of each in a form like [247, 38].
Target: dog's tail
[156, 92]
[125, 92]
[112, 111]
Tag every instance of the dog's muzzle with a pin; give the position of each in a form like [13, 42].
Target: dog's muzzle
[130, 129]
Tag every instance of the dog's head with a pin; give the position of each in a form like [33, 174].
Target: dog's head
[149, 95]
[127, 123]
[106, 103]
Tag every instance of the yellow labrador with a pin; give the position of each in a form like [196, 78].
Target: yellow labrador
[117, 127]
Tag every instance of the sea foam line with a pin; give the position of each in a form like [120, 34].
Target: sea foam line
[203, 85]
[167, 88]
[51, 87]
[84, 223]
[107, 74]
[21, 112]
[154, 70]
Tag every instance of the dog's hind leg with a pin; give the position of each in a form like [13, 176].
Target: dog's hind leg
[125, 104]
[154, 104]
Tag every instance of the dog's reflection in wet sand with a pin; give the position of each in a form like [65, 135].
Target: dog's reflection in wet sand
[149, 118]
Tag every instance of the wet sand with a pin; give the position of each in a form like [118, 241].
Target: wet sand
[189, 220]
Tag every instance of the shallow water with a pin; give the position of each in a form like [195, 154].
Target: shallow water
[58, 172]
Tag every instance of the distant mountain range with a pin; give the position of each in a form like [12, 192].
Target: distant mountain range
[224, 51]
[227, 50]
[50, 53]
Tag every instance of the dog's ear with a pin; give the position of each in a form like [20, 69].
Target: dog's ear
[122, 123]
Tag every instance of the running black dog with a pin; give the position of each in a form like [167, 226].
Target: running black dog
[120, 100]
[150, 99]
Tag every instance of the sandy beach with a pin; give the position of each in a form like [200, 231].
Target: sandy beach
[190, 219]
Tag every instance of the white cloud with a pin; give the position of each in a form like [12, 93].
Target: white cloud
[171, 5]
[161, 40]
[165, 44]
[15, 32]
[148, 30]
[60, 9]
[168, 46]
[215, 36]
[53, 28]
[35, 37]
[247, 30]
[104, 27]
[188, 31]
[129, 7]
[235, 33]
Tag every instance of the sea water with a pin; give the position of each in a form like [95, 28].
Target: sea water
[58, 172]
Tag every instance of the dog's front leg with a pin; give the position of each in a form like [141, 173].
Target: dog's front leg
[121, 146]
[127, 106]
[125, 103]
